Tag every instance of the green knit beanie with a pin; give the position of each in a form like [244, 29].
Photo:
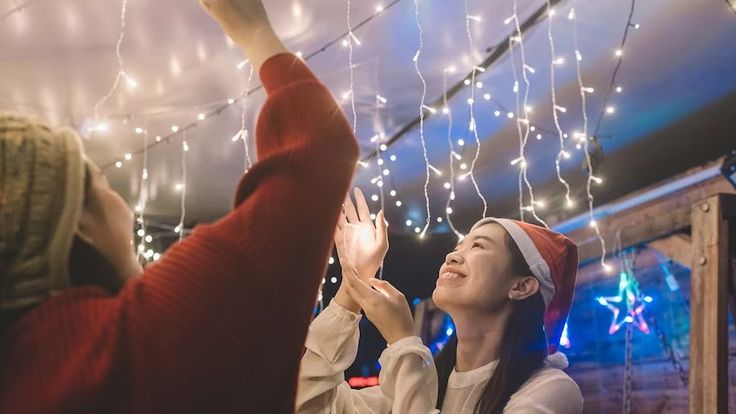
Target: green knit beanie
[41, 197]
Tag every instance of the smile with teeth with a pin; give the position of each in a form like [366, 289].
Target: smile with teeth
[451, 275]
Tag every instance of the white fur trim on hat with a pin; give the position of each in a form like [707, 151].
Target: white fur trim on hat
[539, 268]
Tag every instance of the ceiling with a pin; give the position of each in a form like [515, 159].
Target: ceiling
[675, 108]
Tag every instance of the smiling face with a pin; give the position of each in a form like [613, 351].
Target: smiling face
[477, 276]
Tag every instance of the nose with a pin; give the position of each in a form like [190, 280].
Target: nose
[454, 257]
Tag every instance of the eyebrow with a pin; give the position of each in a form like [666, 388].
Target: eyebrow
[486, 238]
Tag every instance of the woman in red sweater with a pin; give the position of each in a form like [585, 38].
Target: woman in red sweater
[84, 329]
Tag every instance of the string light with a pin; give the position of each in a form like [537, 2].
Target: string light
[243, 130]
[351, 38]
[183, 198]
[122, 74]
[101, 126]
[143, 189]
[472, 125]
[583, 137]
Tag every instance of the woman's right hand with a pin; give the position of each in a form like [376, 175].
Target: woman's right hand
[247, 24]
[239, 18]
[361, 245]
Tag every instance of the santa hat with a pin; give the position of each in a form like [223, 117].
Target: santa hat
[553, 260]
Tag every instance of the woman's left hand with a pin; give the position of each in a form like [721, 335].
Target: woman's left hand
[384, 305]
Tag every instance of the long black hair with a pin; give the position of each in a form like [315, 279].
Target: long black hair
[523, 348]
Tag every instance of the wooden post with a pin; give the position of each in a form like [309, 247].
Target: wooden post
[708, 308]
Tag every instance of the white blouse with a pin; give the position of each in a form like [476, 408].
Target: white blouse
[408, 378]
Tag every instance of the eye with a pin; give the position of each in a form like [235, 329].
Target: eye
[476, 244]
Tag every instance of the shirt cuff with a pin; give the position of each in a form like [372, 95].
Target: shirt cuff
[343, 313]
[282, 70]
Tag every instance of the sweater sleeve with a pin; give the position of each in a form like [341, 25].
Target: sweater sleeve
[222, 318]
[408, 381]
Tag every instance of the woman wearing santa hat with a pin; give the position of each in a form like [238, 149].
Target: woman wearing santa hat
[508, 286]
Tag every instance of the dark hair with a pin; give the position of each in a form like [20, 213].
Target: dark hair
[523, 348]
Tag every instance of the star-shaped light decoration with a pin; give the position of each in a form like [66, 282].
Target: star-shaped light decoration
[628, 306]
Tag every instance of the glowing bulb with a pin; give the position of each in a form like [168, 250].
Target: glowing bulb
[445, 110]
[386, 172]
[578, 56]
[242, 64]
[230, 101]
[529, 108]
[552, 12]
[333, 279]
[450, 69]
[510, 115]
[463, 166]
[565, 154]
[156, 256]
[471, 101]
[299, 54]
[461, 142]
[185, 146]
[619, 52]
[447, 186]
[560, 108]
[598, 180]
[141, 233]
[448, 210]
[393, 193]
[392, 158]
[149, 238]
[201, 117]
[467, 82]
[139, 130]
[610, 109]
[607, 268]
[380, 161]
[588, 90]
[345, 43]
[619, 89]
[593, 223]
[383, 147]
[479, 84]
[429, 108]
[374, 197]
[532, 128]
[497, 113]
[509, 19]
[559, 61]
[158, 138]
[331, 260]
[487, 96]
[179, 186]
[127, 156]
[539, 136]
[571, 14]
[408, 223]
[118, 164]
[379, 8]
[417, 230]
[398, 203]
[174, 129]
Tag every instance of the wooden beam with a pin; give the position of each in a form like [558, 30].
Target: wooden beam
[649, 221]
[708, 382]
[677, 247]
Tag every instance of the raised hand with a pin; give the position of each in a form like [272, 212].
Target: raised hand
[383, 304]
[361, 245]
[247, 24]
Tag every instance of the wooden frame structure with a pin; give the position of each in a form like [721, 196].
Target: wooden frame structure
[695, 226]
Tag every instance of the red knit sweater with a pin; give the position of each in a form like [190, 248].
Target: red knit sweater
[219, 323]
